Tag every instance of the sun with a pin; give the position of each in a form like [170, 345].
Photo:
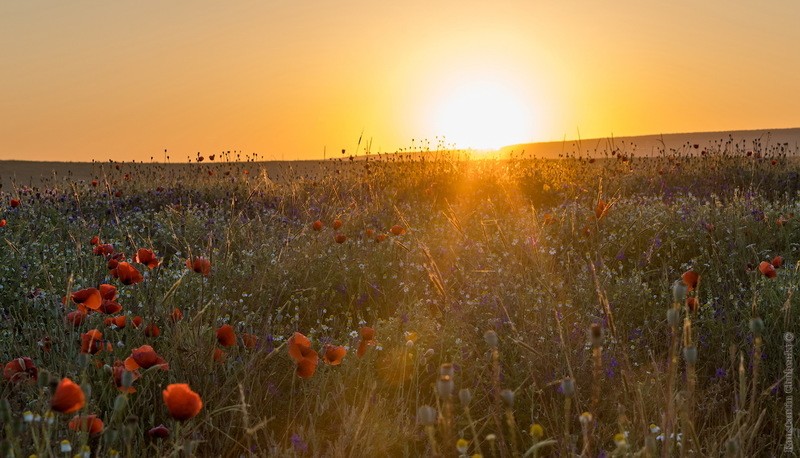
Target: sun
[483, 114]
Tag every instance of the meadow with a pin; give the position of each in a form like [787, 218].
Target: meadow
[406, 305]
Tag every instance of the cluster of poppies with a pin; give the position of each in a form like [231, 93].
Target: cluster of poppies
[306, 359]
[370, 233]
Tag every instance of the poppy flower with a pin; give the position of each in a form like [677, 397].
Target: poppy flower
[317, 225]
[777, 262]
[340, 238]
[219, 355]
[176, 315]
[690, 279]
[337, 223]
[181, 401]
[145, 357]
[692, 303]
[200, 265]
[110, 307]
[147, 257]
[105, 249]
[116, 321]
[380, 238]
[20, 369]
[308, 365]
[367, 339]
[92, 342]
[45, 343]
[68, 397]
[108, 292]
[128, 274]
[369, 232]
[118, 371]
[296, 343]
[152, 330]
[767, 269]
[397, 230]
[76, 317]
[3, 222]
[95, 241]
[226, 336]
[14, 203]
[88, 298]
[601, 209]
[249, 340]
[136, 321]
[87, 423]
[334, 354]
[159, 432]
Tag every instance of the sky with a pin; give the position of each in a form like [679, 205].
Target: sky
[122, 80]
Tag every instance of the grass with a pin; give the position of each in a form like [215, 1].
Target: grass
[514, 316]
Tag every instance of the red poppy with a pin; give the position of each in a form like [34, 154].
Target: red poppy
[118, 371]
[3, 222]
[14, 203]
[225, 336]
[147, 257]
[159, 432]
[692, 303]
[117, 321]
[136, 321]
[317, 225]
[181, 401]
[68, 397]
[777, 262]
[87, 423]
[369, 232]
[92, 342]
[337, 223]
[105, 249]
[296, 343]
[340, 238]
[308, 365]
[219, 355]
[152, 330]
[176, 315]
[249, 340]
[110, 307]
[397, 230]
[108, 292]
[45, 343]
[145, 357]
[20, 369]
[200, 265]
[95, 240]
[76, 317]
[380, 238]
[767, 269]
[128, 274]
[334, 354]
[690, 279]
[88, 298]
[367, 339]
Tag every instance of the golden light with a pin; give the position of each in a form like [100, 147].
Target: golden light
[483, 114]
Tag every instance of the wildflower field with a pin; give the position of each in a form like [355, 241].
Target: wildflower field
[416, 305]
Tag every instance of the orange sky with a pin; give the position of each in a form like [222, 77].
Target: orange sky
[85, 80]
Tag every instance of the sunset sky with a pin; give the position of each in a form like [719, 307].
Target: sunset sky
[85, 80]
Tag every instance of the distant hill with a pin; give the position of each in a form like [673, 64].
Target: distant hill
[649, 145]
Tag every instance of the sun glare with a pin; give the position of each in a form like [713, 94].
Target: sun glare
[483, 114]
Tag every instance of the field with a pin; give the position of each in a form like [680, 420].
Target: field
[418, 305]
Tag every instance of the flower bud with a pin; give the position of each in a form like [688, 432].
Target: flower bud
[568, 387]
[445, 387]
[537, 432]
[491, 338]
[756, 326]
[585, 418]
[465, 396]
[508, 397]
[673, 317]
[690, 354]
[426, 415]
[447, 369]
[679, 291]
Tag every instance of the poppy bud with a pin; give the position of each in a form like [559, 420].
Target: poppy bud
[673, 317]
[756, 326]
[690, 355]
[426, 415]
[465, 396]
[120, 402]
[568, 387]
[447, 369]
[445, 387]
[678, 291]
[508, 397]
[491, 338]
